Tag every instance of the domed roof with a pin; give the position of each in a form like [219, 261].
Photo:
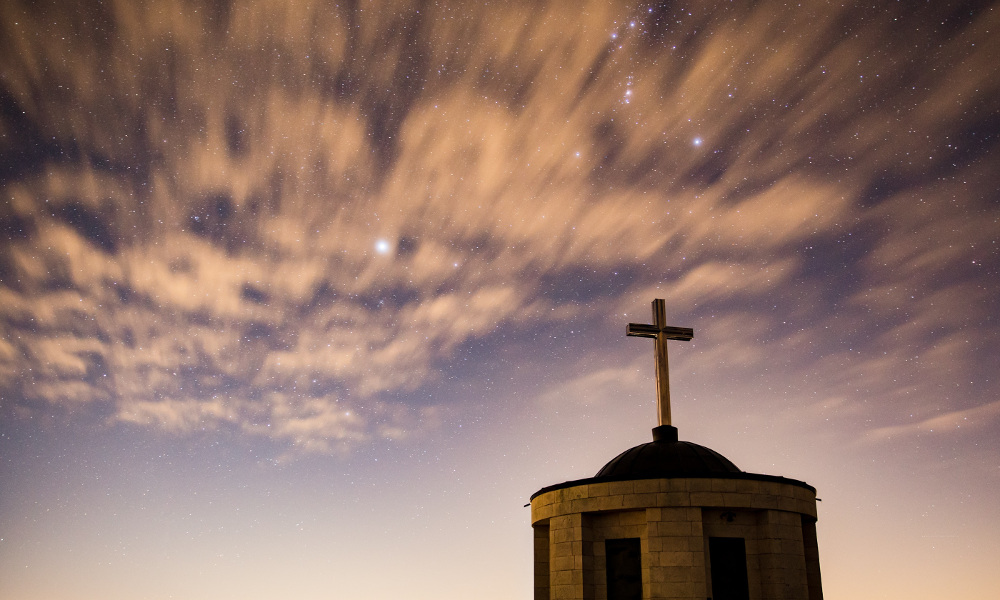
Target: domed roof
[666, 457]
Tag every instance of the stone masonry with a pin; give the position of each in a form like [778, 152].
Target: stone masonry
[674, 518]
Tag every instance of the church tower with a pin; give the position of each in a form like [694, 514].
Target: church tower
[672, 519]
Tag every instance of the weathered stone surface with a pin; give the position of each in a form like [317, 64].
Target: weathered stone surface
[673, 519]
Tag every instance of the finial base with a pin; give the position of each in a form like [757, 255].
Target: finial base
[665, 433]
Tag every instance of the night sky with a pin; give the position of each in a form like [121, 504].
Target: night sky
[304, 300]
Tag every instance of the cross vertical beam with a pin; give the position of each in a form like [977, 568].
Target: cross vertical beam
[661, 332]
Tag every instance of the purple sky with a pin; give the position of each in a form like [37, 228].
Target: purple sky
[305, 300]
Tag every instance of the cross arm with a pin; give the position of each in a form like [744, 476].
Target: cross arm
[641, 330]
[651, 331]
[679, 333]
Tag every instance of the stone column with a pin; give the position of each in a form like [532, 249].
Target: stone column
[812, 558]
[541, 561]
[571, 560]
[782, 556]
[674, 562]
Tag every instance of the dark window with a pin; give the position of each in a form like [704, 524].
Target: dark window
[728, 557]
[624, 569]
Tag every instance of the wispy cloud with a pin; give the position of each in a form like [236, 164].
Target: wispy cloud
[953, 422]
[194, 203]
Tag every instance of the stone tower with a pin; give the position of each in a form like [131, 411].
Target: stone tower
[672, 519]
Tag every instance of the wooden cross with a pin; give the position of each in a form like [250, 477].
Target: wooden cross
[661, 333]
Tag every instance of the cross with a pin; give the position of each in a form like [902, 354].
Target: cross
[661, 332]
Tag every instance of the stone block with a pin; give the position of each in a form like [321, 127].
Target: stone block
[563, 508]
[596, 490]
[584, 505]
[634, 531]
[673, 499]
[770, 487]
[693, 590]
[620, 487]
[765, 501]
[768, 546]
[564, 535]
[564, 522]
[600, 563]
[723, 485]
[747, 486]
[700, 485]
[561, 578]
[781, 489]
[706, 499]
[673, 514]
[779, 518]
[541, 514]
[606, 519]
[682, 513]
[561, 548]
[632, 517]
[803, 507]
[644, 500]
[661, 590]
[680, 574]
[783, 576]
[646, 486]
[675, 485]
[736, 499]
[792, 532]
[798, 493]
[679, 544]
[562, 563]
[792, 547]
[671, 528]
[786, 503]
[676, 559]
[613, 502]
[545, 499]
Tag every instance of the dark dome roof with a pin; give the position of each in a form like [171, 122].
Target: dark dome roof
[666, 457]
